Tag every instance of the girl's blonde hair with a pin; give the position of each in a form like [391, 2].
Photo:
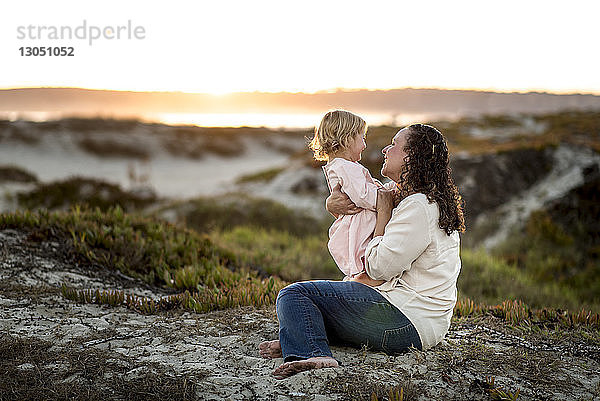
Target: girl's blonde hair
[335, 131]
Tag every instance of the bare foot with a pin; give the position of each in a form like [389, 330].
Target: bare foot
[291, 368]
[270, 349]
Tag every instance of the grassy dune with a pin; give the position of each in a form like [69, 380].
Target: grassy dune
[159, 253]
[248, 266]
[236, 250]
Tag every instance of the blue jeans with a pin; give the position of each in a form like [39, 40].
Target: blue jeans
[314, 314]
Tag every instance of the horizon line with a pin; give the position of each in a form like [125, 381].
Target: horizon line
[326, 91]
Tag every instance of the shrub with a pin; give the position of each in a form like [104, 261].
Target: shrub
[83, 191]
[16, 174]
[232, 210]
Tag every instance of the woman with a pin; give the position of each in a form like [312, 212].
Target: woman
[415, 251]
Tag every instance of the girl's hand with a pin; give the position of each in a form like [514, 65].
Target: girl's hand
[339, 203]
[397, 198]
[386, 199]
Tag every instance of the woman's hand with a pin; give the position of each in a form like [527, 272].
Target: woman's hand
[365, 279]
[339, 203]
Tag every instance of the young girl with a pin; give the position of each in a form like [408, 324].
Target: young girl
[340, 140]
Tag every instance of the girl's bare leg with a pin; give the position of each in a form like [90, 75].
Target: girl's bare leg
[270, 349]
[291, 368]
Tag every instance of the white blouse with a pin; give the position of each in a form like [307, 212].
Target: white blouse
[420, 264]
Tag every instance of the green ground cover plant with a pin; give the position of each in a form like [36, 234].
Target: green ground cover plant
[159, 253]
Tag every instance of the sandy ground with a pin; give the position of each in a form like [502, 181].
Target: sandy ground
[214, 356]
[57, 157]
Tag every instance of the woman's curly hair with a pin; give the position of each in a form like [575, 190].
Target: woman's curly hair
[427, 170]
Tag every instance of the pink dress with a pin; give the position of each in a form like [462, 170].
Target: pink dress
[350, 234]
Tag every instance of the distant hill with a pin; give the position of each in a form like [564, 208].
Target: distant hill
[394, 101]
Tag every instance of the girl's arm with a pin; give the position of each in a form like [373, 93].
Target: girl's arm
[385, 205]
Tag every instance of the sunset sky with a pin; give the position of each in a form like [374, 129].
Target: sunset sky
[224, 46]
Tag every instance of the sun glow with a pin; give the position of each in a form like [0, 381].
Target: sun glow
[273, 120]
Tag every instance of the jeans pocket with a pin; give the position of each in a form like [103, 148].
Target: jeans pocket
[396, 341]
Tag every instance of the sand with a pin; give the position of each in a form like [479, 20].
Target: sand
[214, 356]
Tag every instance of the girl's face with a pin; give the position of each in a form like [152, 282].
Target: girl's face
[393, 156]
[356, 146]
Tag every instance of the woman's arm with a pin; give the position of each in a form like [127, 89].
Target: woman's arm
[339, 203]
[356, 183]
[405, 237]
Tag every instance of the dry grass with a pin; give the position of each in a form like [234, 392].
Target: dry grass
[254, 293]
[518, 313]
[34, 370]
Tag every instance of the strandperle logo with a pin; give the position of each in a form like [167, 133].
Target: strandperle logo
[90, 33]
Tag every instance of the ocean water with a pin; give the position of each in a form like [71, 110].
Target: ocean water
[268, 120]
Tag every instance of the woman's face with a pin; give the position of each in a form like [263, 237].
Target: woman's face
[393, 156]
